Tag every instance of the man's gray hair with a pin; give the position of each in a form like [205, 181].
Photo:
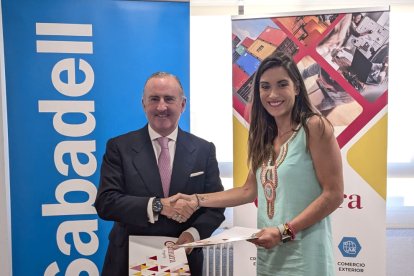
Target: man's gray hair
[163, 75]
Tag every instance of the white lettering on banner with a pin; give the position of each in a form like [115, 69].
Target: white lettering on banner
[71, 88]
[65, 208]
[73, 148]
[83, 111]
[52, 269]
[74, 268]
[63, 29]
[81, 265]
[77, 227]
[61, 108]
[64, 47]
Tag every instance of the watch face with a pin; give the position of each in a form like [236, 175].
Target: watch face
[157, 205]
[286, 238]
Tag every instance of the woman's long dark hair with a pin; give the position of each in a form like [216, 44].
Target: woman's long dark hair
[263, 129]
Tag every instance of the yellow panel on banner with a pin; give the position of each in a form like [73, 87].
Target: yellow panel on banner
[369, 159]
[240, 153]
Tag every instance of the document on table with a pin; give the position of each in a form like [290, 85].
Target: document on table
[155, 255]
[231, 235]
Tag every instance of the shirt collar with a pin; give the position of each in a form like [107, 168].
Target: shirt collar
[154, 135]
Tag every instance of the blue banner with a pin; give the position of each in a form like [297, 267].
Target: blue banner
[75, 70]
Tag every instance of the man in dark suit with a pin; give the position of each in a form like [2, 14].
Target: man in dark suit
[134, 193]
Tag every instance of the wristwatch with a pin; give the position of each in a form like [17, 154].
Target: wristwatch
[286, 238]
[157, 205]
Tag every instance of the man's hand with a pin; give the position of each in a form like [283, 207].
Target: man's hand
[185, 237]
[192, 199]
[179, 209]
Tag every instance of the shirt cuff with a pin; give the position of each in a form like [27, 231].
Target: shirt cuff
[151, 217]
[194, 233]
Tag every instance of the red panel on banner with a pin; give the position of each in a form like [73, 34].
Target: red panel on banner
[273, 36]
[247, 42]
[239, 77]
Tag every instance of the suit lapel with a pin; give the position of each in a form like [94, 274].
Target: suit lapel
[183, 162]
[145, 162]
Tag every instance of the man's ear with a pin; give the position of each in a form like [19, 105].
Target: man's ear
[184, 103]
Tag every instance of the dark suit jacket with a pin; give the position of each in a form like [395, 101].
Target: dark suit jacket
[129, 177]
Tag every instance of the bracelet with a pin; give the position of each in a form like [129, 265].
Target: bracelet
[285, 235]
[290, 230]
[281, 228]
[198, 202]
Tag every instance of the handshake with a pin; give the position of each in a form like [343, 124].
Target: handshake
[180, 207]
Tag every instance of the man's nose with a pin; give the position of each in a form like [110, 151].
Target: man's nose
[162, 105]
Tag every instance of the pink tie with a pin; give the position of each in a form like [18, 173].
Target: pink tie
[164, 165]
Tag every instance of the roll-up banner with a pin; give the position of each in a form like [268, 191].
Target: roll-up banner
[75, 70]
[343, 58]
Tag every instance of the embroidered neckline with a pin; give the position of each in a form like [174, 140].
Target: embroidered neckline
[268, 175]
[283, 150]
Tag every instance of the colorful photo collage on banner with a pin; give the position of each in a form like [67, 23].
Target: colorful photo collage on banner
[343, 59]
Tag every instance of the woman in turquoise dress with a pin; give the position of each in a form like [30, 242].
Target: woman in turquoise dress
[295, 172]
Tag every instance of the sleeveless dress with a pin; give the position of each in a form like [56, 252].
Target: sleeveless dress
[311, 252]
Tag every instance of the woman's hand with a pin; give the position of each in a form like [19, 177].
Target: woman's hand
[268, 237]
